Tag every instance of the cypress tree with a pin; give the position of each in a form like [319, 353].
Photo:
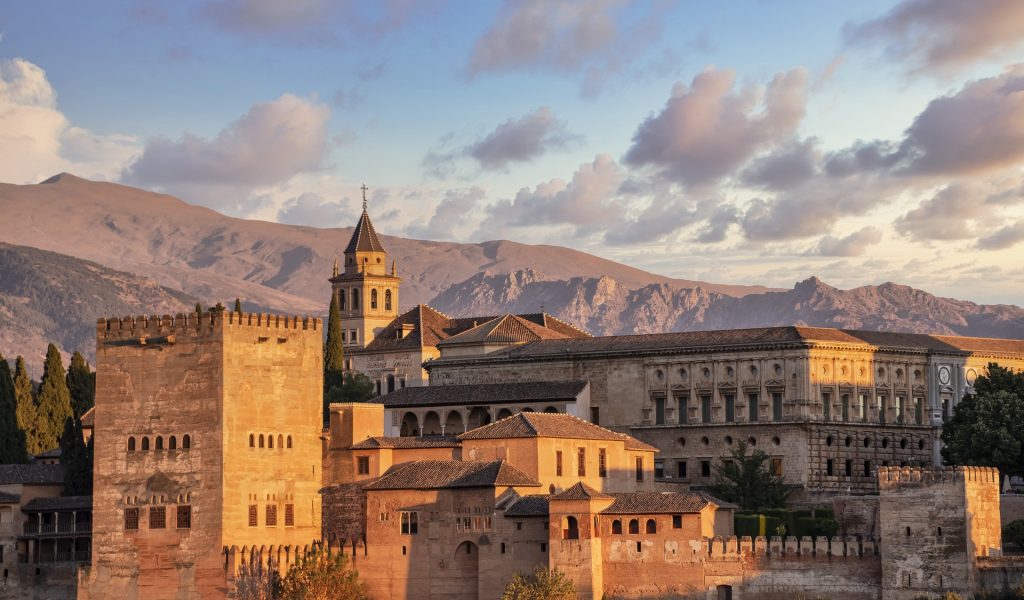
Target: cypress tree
[81, 384]
[238, 307]
[26, 406]
[12, 438]
[53, 402]
[334, 353]
[76, 457]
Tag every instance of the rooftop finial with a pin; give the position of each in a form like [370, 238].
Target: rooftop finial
[364, 188]
[335, 267]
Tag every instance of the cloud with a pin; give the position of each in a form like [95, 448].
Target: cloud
[272, 142]
[520, 140]
[36, 138]
[313, 210]
[1004, 237]
[855, 244]
[707, 130]
[945, 35]
[960, 210]
[453, 211]
[789, 165]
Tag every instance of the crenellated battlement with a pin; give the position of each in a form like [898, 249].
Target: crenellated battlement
[775, 547]
[155, 326]
[891, 478]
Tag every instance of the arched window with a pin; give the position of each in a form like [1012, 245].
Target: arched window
[652, 526]
[186, 441]
[280, 441]
[252, 441]
[270, 441]
[387, 299]
[571, 530]
[172, 443]
[145, 443]
[342, 296]
[616, 527]
[131, 444]
[634, 526]
[289, 441]
[355, 298]
[373, 299]
[261, 440]
[159, 442]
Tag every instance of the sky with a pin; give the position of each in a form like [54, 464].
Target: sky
[747, 142]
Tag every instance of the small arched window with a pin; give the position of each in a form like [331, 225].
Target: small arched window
[373, 299]
[280, 441]
[261, 440]
[252, 441]
[355, 298]
[387, 299]
[634, 526]
[131, 444]
[172, 443]
[159, 442]
[270, 441]
[616, 527]
[289, 441]
[652, 526]
[572, 529]
[145, 443]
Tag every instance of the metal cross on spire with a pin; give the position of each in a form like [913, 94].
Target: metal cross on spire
[364, 188]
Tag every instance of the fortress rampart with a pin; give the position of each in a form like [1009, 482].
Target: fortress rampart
[148, 326]
[896, 478]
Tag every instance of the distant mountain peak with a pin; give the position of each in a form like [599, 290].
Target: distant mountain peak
[62, 177]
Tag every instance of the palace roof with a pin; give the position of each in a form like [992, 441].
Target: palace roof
[529, 506]
[505, 329]
[580, 491]
[58, 503]
[483, 393]
[32, 474]
[434, 474]
[553, 425]
[426, 441]
[8, 498]
[653, 503]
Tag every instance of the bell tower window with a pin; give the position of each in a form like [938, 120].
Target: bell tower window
[387, 299]
[373, 299]
[342, 296]
[355, 298]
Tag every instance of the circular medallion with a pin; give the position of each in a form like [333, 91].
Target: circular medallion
[944, 375]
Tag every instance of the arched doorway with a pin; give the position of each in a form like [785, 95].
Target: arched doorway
[410, 425]
[431, 424]
[453, 424]
[478, 417]
[464, 573]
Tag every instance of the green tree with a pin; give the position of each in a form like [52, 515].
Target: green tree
[76, 457]
[544, 584]
[322, 575]
[745, 479]
[1013, 533]
[987, 428]
[81, 385]
[26, 409]
[53, 402]
[12, 438]
[238, 307]
[334, 354]
[357, 388]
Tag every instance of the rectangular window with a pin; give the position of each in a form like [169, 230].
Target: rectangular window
[157, 517]
[826, 405]
[882, 409]
[777, 406]
[705, 468]
[558, 463]
[581, 462]
[659, 468]
[253, 518]
[900, 412]
[777, 467]
[595, 415]
[684, 408]
[289, 515]
[344, 336]
[184, 517]
[730, 408]
[867, 468]
[845, 398]
[271, 515]
[364, 465]
[410, 523]
[753, 412]
[602, 463]
[677, 521]
[705, 408]
[849, 468]
[639, 468]
[659, 410]
[681, 469]
[862, 407]
[919, 410]
[543, 547]
[131, 519]
[828, 467]
[945, 410]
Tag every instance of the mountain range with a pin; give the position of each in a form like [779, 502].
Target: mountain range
[74, 250]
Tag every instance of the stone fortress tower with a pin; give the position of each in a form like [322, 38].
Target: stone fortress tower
[367, 293]
[207, 436]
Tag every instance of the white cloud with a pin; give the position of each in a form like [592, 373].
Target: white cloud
[855, 244]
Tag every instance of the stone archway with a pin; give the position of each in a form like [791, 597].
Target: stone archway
[410, 425]
[453, 424]
[431, 424]
[462, 579]
[478, 417]
[551, 410]
[504, 414]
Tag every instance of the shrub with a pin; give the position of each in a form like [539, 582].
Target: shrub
[544, 584]
[1013, 533]
[322, 575]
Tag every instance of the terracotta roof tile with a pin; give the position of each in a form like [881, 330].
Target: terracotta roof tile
[8, 498]
[483, 393]
[554, 425]
[507, 328]
[58, 503]
[580, 491]
[89, 418]
[32, 474]
[364, 237]
[426, 441]
[653, 503]
[529, 506]
[434, 474]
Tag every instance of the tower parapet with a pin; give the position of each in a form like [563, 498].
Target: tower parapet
[895, 478]
[143, 327]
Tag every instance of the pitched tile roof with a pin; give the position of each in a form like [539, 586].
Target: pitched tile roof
[426, 441]
[8, 498]
[434, 474]
[429, 327]
[32, 474]
[580, 491]
[364, 238]
[653, 503]
[554, 425]
[507, 328]
[529, 506]
[483, 393]
[58, 503]
[89, 418]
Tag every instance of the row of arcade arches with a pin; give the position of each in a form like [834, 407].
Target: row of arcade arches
[455, 420]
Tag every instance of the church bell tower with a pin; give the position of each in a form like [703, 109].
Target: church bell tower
[367, 293]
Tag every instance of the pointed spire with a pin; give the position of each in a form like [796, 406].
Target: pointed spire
[394, 263]
[335, 267]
